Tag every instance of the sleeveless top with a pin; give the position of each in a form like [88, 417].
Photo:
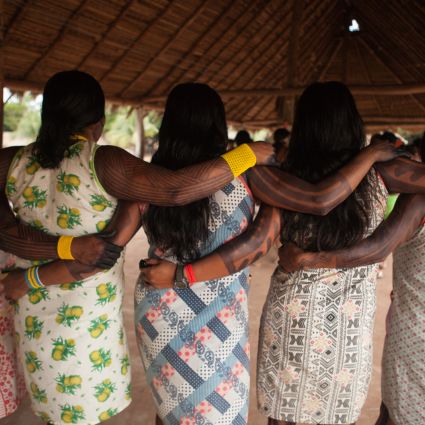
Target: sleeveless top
[70, 336]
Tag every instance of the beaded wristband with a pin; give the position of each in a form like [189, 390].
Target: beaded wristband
[64, 248]
[32, 279]
[188, 268]
[240, 159]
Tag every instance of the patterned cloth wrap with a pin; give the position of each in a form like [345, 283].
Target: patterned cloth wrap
[403, 369]
[70, 337]
[194, 342]
[12, 386]
[315, 348]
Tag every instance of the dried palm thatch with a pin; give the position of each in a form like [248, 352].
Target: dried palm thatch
[258, 54]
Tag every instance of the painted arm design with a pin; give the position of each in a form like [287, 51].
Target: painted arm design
[126, 177]
[283, 190]
[401, 225]
[231, 257]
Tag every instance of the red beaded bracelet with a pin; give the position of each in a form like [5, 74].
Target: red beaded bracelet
[190, 274]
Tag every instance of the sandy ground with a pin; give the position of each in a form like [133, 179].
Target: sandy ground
[141, 411]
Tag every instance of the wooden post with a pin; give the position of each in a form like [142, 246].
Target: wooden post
[1, 71]
[140, 133]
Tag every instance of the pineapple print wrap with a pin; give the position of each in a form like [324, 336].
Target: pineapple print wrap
[71, 339]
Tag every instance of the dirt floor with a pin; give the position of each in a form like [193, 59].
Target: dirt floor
[141, 411]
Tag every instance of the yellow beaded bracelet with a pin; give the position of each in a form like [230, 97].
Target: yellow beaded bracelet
[64, 248]
[240, 159]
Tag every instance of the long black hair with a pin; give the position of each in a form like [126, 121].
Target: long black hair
[193, 129]
[327, 132]
[72, 100]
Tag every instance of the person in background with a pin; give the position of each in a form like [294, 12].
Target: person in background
[280, 143]
[242, 136]
[12, 385]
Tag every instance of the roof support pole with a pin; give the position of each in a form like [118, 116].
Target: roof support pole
[1, 70]
[140, 133]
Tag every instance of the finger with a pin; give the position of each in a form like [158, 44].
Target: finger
[152, 261]
[111, 255]
[107, 234]
[112, 247]
[1, 288]
[105, 263]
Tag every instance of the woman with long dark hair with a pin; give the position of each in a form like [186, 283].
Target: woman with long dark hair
[315, 348]
[403, 233]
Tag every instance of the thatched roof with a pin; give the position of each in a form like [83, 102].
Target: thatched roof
[259, 54]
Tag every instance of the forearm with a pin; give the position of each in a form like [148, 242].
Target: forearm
[127, 177]
[283, 190]
[242, 251]
[398, 228]
[164, 187]
[29, 243]
[403, 175]
[58, 272]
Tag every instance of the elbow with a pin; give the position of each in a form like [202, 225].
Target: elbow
[322, 206]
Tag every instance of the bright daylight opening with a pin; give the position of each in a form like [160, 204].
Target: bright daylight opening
[354, 27]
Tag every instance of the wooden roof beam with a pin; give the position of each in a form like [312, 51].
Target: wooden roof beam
[195, 44]
[181, 29]
[59, 38]
[17, 19]
[384, 61]
[130, 47]
[224, 46]
[379, 90]
[254, 60]
[124, 10]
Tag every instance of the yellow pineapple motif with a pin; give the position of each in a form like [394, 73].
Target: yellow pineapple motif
[37, 295]
[100, 359]
[32, 165]
[128, 392]
[99, 325]
[121, 336]
[100, 203]
[43, 416]
[10, 186]
[107, 414]
[70, 286]
[39, 395]
[67, 183]
[34, 197]
[104, 390]
[33, 327]
[74, 150]
[38, 225]
[107, 293]
[72, 414]
[32, 362]
[68, 384]
[101, 225]
[67, 315]
[62, 349]
[125, 363]
[68, 218]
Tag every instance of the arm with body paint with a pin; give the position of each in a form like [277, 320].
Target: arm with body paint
[229, 258]
[400, 226]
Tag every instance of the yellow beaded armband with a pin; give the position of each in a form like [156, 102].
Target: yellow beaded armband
[64, 248]
[240, 159]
